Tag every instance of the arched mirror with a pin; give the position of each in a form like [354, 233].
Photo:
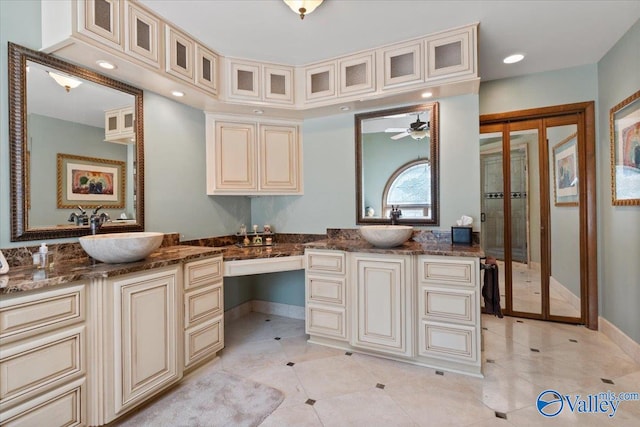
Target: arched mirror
[397, 165]
[76, 144]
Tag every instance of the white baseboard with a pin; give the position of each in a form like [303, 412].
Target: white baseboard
[266, 307]
[619, 338]
[572, 299]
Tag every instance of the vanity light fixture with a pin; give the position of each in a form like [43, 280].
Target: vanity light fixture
[106, 64]
[177, 93]
[512, 59]
[303, 7]
[66, 82]
[427, 94]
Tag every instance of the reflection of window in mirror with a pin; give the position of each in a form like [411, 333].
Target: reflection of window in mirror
[409, 187]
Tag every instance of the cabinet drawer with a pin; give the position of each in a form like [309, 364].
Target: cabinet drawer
[46, 361]
[326, 262]
[443, 271]
[455, 305]
[201, 304]
[201, 272]
[203, 340]
[41, 311]
[64, 406]
[327, 321]
[325, 289]
[448, 341]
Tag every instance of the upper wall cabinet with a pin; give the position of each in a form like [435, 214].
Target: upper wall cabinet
[401, 64]
[451, 55]
[180, 52]
[357, 74]
[142, 35]
[253, 157]
[254, 81]
[100, 20]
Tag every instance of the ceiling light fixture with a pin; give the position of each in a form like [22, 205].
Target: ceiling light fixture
[106, 64]
[66, 82]
[512, 59]
[303, 7]
[427, 94]
[419, 134]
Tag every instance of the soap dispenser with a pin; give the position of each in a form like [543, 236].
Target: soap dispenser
[44, 256]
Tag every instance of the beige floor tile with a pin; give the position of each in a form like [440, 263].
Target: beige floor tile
[293, 416]
[365, 408]
[283, 378]
[250, 356]
[297, 349]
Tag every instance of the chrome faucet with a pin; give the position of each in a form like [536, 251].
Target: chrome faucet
[395, 214]
[79, 218]
[98, 219]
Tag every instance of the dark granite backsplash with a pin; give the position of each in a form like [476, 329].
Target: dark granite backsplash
[420, 236]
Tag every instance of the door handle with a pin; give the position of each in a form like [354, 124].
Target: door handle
[483, 217]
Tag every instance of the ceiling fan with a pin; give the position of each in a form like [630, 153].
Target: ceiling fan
[417, 130]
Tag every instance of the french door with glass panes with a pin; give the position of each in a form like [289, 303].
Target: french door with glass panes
[538, 208]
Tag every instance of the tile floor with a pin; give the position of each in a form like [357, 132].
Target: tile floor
[521, 358]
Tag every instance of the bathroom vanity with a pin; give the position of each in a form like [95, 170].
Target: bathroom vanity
[417, 303]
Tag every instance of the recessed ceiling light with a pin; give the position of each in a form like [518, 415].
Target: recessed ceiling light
[177, 93]
[257, 111]
[427, 94]
[512, 59]
[345, 108]
[106, 64]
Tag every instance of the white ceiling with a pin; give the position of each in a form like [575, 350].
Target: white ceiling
[553, 34]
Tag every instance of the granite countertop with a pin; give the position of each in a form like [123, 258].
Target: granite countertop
[29, 278]
[408, 248]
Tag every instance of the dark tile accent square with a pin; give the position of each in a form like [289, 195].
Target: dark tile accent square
[501, 415]
[535, 350]
[267, 320]
[519, 321]
[290, 364]
[485, 328]
[310, 402]
[606, 381]
[439, 373]
[348, 353]
[491, 361]
[277, 338]
[572, 340]
[380, 386]
[536, 293]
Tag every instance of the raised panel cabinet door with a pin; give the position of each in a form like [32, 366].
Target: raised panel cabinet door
[100, 21]
[142, 35]
[357, 74]
[326, 262]
[446, 341]
[146, 328]
[279, 159]
[327, 321]
[278, 84]
[180, 51]
[245, 80]
[402, 65]
[235, 156]
[320, 82]
[206, 69]
[380, 304]
[203, 340]
[451, 54]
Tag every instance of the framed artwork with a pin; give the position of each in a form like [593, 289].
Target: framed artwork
[565, 172]
[624, 127]
[90, 182]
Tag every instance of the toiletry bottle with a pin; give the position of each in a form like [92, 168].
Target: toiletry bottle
[44, 256]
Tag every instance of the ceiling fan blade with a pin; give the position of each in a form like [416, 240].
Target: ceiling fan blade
[400, 135]
[395, 130]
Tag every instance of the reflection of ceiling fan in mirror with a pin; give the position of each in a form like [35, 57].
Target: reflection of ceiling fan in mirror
[417, 130]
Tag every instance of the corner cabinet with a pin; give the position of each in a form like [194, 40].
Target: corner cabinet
[420, 309]
[261, 157]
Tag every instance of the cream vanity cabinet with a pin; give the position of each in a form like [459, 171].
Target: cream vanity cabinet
[382, 303]
[43, 362]
[253, 157]
[203, 310]
[449, 310]
[326, 294]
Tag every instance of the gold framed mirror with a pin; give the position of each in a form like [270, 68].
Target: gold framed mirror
[397, 163]
[60, 110]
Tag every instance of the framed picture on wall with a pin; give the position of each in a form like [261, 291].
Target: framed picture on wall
[624, 127]
[565, 172]
[89, 182]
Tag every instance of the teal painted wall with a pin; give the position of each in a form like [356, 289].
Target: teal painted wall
[286, 287]
[618, 226]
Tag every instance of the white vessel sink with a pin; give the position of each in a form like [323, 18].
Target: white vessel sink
[115, 248]
[386, 236]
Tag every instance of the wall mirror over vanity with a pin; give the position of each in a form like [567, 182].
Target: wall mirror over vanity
[76, 139]
[397, 165]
